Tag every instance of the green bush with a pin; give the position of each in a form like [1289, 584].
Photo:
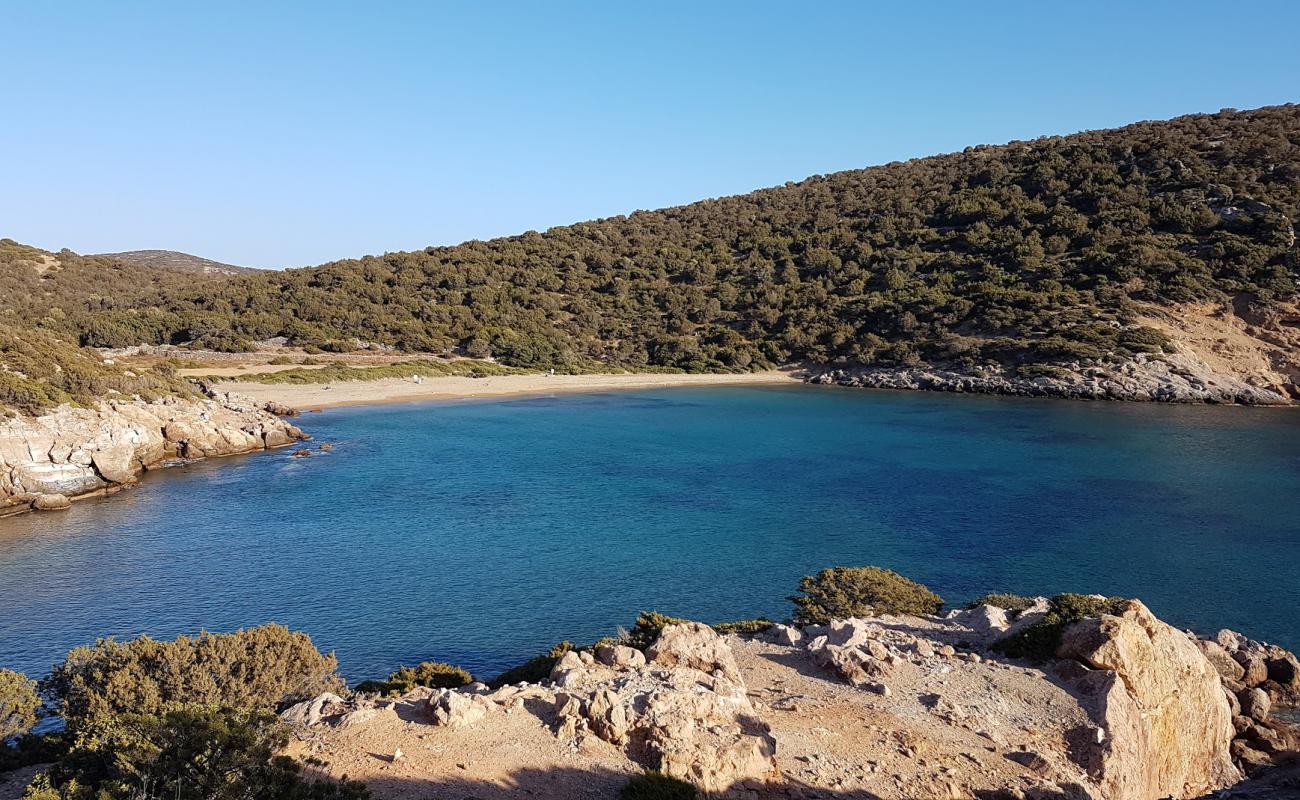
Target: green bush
[20, 705]
[263, 667]
[433, 674]
[188, 753]
[1007, 602]
[654, 786]
[1040, 641]
[744, 626]
[534, 670]
[648, 626]
[842, 592]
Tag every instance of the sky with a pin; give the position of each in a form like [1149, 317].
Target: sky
[282, 134]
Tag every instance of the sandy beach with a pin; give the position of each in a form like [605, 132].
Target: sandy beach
[399, 390]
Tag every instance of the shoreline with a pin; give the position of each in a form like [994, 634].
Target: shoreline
[385, 391]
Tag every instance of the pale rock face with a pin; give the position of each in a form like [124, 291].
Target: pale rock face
[75, 451]
[456, 709]
[312, 712]
[787, 635]
[684, 713]
[1160, 702]
[696, 646]
[1225, 664]
[985, 621]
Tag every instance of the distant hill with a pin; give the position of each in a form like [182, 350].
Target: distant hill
[1018, 256]
[180, 262]
[39, 287]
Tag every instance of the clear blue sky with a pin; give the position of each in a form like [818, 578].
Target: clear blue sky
[320, 131]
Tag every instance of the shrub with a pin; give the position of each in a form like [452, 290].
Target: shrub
[1040, 641]
[536, 669]
[433, 674]
[842, 592]
[20, 704]
[1007, 602]
[744, 626]
[190, 753]
[649, 624]
[654, 786]
[261, 667]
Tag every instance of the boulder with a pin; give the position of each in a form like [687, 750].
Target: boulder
[117, 464]
[47, 478]
[1284, 669]
[985, 621]
[1225, 664]
[620, 656]
[696, 646]
[1255, 704]
[1160, 703]
[456, 709]
[786, 635]
[1254, 668]
[311, 712]
[51, 502]
[680, 713]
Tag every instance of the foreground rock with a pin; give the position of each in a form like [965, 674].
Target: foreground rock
[1158, 701]
[74, 452]
[886, 707]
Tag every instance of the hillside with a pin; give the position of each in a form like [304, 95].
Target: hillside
[178, 262]
[39, 287]
[1018, 255]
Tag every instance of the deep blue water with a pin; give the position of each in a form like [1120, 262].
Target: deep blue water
[480, 533]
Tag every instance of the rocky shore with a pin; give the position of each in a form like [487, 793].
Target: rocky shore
[1166, 378]
[47, 461]
[885, 707]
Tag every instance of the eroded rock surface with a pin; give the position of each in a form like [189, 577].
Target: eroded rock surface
[77, 451]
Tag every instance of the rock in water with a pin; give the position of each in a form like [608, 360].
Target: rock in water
[1161, 703]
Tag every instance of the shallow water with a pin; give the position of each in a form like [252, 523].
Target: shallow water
[479, 533]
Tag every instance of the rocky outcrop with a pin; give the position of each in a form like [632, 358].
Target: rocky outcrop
[73, 452]
[1157, 700]
[1258, 679]
[1166, 378]
[684, 712]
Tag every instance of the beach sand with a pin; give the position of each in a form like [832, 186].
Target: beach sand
[398, 390]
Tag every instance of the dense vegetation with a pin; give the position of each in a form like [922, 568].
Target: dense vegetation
[842, 592]
[193, 718]
[19, 704]
[38, 370]
[433, 674]
[1029, 252]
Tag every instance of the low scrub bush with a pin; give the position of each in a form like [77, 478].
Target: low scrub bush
[264, 667]
[1006, 602]
[1040, 641]
[433, 674]
[534, 670]
[20, 705]
[744, 626]
[189, 753]
[842, 592]
[654, 786]
[648, 626]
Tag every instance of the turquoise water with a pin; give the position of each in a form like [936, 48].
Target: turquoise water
[480, 533]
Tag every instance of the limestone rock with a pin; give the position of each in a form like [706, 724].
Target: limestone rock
[787, 635]
[985, 621]
[1255, 704]
[1158, 699]
[1225, 664]
[684, 712]
[117, 464]
[694, 645]
[620, 656]
[456, 709]
[51, 502]
[311, 712]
